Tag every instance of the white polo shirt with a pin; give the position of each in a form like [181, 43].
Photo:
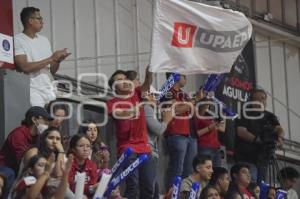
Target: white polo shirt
[37, 49]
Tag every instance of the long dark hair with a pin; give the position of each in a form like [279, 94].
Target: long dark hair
[25, 172]
[42, 144]
[83, 130]
[30, 164]
[204, 192]
[73, 142]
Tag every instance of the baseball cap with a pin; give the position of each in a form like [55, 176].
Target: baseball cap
[37, 111]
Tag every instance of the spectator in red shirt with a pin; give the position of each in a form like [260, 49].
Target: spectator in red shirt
[241, 178]
[131, 130]
[207, 130]
[182, 145]
[99, 153]
[20, 140]
[80, 147]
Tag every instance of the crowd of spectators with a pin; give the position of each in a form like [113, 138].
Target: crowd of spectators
[36, 162]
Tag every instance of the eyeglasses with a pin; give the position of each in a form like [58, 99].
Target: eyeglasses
[38, 18]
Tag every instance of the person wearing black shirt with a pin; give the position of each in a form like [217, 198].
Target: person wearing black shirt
[258, 133]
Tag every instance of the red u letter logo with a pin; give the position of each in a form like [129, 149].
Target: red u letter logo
[183, 35]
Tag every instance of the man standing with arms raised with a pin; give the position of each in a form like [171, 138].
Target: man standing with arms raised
[131, 131]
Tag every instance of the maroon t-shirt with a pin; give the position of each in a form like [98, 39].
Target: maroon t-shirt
[179, 126]
[130, 132]
[209, 139]
[14, 147]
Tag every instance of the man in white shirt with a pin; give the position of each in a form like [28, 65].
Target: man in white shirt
[33, 56]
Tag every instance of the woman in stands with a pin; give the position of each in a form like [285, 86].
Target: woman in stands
[209, 192]
[207, 129]
[50, 143]
[34, 177]
[100, 154]
[80, 147]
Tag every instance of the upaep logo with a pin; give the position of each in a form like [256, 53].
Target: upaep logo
[183, 35]
[188, 36]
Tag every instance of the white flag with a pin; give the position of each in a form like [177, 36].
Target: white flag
[190, 37]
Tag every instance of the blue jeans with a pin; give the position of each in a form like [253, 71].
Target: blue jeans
[9, 179]
[182, 151]
[141, 183]
[214, 153]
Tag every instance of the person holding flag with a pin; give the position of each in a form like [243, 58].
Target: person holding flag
[131, 131]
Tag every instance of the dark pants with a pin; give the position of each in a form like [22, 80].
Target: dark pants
[182, 151]
[9, 179]
[156, 186]
[141, 183]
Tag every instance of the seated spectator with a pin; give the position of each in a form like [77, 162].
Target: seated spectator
[288, 177]
[20, 140]
[207, 130]
[241, 178]
[50, 143]
[99, 154]
[80, 147]
[33, 179]
[58, 112]
[271, 193]
[220, 180]
[209, 192]
[203, 170]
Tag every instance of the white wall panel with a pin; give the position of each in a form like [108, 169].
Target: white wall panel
[85, 35]
[63, 33]
[126, 34]
[106, 39]
[282, 60]
[293, 81]
[17, 7]
[279, 84]
[263, 72]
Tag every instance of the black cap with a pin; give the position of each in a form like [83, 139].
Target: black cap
[37, 111]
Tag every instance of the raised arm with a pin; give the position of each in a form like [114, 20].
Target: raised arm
[148, 81]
